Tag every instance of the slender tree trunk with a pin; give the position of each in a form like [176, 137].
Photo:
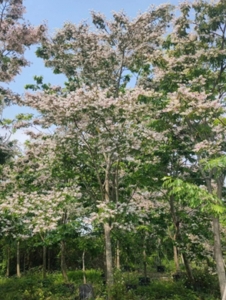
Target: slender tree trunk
[63, 261]
[44, 262]
[107, 228]
[18, 259]
[84, 266]
[218, 256]
[145, 255]
[28, 261]
[188, 268]
[8, 261]
[24, 266]
[145, 263]
[117, 255]
[109, 267]
[116, 183]
[49, 259]
[217, 240]
[176, 259]
[176, 236]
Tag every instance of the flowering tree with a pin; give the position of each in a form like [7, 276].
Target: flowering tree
[95, 139]
[16, 36]
[191, 74]
[33, 200]
[97, 130]
[109, 54]
[138, 106]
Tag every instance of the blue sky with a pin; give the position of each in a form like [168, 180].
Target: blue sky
[55, 13]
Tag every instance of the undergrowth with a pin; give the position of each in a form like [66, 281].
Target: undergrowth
[31, 286]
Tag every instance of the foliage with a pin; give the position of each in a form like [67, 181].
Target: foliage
[32, 285]
[142, 164]
[16, 35]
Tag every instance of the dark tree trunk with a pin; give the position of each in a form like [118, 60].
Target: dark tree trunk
[145, 263]
[24, 265]
[177, 237]
[49, 259]
[84, 267]
[44, 262]
[8, 261]
[18, 259]
[63, 261]
[145, 255]
[188, 268]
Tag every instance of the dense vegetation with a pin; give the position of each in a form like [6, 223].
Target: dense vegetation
[121, 181]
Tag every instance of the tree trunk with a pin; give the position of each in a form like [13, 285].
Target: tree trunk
[177, 235]
[218, 256]
[63, 261]
[28, 261]
[49, 259]
[109, 268]
[145, 262]
[8, 261]
[176, 259]
[24, 264]
[117, 255]
[224, 294]
[188, 269]
[84, 266]
[107, 227]
[18, 259]
[217, 240]
[44, 263]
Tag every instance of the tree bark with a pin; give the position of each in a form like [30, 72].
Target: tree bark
[117, 255]
[217, 240]
[176, 259]
[218, 256]
[145, 263]
[63, 261]
[44, 262]
[176, 235]
[84, 266]
[145, 255]
[107, 227]
[224, 294]
[8, 261]
[49, 259]
[24, 264]
[18, 259]
[108, 250]
[188, 268]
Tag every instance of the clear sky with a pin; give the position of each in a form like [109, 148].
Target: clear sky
[55, 13]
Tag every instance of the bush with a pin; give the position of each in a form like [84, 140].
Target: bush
[204, 282]
[33, 287]
[91, 275]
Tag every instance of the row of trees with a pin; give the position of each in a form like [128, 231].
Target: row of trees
[136, 138]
